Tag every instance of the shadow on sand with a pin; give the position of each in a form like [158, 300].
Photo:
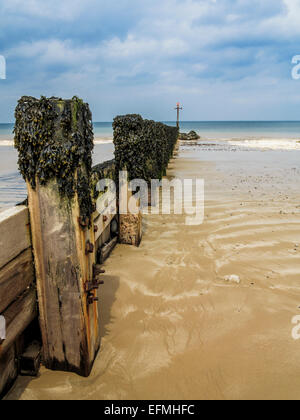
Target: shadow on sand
[107, 297]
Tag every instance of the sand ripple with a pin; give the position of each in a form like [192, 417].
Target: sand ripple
[173, 326]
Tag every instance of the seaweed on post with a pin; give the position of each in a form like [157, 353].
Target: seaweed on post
[142, 147]
[54, 138]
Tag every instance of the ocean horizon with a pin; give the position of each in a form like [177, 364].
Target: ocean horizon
[206, 129]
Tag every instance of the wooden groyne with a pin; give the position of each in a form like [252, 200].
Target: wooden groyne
[18, 303]
[51, 251]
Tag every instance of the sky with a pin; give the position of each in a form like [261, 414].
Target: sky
[222, 59]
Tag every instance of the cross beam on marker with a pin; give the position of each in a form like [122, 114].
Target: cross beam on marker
[178, 109]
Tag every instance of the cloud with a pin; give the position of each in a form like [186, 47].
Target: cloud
[56, 9]
[153, 53]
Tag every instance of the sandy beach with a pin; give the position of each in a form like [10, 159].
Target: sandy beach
[128, 302]
[176, 323]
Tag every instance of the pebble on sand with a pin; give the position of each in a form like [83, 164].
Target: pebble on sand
[233, 279]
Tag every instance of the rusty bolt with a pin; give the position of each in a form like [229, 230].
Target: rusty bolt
[90, 286]
[97, 270]
[96, 229]
[91, 299]
[104, 219]
[83, 221]
[89, 248]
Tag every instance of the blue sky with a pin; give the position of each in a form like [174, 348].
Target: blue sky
[223, 59]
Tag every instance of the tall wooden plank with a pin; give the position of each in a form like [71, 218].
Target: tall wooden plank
[60, 206]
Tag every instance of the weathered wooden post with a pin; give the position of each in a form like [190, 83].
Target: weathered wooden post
[130, 224]
[178, 108]
[54, 138]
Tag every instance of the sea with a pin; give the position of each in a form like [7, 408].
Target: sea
[229, 135]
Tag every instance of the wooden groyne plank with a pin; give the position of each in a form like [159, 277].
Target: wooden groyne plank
[15, 278]
[14, 233]
[101, 223]
[107, 249]
[18, 316]
[8, 370]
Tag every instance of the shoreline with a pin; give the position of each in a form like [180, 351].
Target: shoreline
[97, 140]
[246, 142]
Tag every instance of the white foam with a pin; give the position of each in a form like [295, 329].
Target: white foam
[103, 141]
[6, 142]
[96, 141]
[268, 144]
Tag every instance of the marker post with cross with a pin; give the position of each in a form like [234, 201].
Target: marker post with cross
[178, 108]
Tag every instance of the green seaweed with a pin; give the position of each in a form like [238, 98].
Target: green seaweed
[142, 147]
[54, 138]
[106, 170]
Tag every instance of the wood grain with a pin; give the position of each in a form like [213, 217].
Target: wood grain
[102, 222]
[69, 326]
[18, 316]
[15, 278]
[8, 370]
[107, 249]
[14, 233]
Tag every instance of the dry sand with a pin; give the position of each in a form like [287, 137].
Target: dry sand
[173, 326]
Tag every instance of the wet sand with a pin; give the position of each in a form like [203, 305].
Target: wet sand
[173, 326]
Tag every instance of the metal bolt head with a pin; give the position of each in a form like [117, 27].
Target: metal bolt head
[97, 270]
[83, 221]
[89, 248]
[92, 299]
